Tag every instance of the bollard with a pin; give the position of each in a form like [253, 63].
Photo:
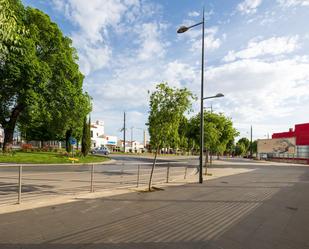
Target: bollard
[186, 169]
[138, 172]
[91, 182]
[167, 173]
[19, 183]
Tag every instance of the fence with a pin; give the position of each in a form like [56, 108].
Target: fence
[27, 182]
[287, 158]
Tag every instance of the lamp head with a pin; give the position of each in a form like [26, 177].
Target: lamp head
[218, 95]
[182, 29]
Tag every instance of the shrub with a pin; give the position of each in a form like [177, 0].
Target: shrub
[78, 154]
[26, 147]
[67, 154]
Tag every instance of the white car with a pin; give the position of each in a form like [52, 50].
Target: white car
[101, 150]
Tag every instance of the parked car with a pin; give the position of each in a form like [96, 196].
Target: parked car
[100, 150]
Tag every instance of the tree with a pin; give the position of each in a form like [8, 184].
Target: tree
[167, 108]
[218, 131]
[11, 30]
[245, 144]
[86, 138]
[240, 149]
[183, 134]
[43, 84]
[22, 78]
[254, 146]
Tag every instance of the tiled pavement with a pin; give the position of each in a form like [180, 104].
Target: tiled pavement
[264, 208]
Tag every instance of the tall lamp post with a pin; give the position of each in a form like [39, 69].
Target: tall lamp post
[218, 95]
[183, 29]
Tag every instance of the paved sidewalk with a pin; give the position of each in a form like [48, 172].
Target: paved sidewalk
[264, 208]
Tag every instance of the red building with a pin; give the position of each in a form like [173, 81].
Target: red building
[301, 134]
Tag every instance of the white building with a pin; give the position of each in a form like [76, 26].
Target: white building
[97, 133]
[98, 137]
[131, 146]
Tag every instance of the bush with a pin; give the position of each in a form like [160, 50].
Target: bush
[67, 154]
[78, 154]
[26, 147]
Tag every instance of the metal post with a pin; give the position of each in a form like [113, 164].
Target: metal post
[92, 175]
[186, 169]
[202, 107]
[138, 172]
[19, 183]
[121, 174]
[132, 139]
[251, 148]
[167, 173]
[124, 132]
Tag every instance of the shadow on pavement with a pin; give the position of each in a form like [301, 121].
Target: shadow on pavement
[263, 209]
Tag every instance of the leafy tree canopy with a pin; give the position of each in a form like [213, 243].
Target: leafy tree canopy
[167, 108]
[42, 86]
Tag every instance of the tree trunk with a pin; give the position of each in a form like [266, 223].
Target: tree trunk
[152, 169]
[207, 157]
[68, 134]
[9, 128]
[206, 162]
[8, 139]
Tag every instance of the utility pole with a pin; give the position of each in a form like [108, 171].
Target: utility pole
[124, 132]
[145, 142]
[132, 138]
[251, 149]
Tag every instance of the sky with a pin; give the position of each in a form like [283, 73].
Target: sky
[257, 55]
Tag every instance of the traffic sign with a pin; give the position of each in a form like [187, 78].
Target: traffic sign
[72, 140]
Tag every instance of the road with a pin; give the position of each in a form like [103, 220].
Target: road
[122, 172]
[266, 206]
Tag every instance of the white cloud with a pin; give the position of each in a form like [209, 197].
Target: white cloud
[181, 74]
[258, 91]
[212, 42]
[150, 43]
[93, 20]
[271, 46]
[292, 3]
[193, 14]
[248, 6]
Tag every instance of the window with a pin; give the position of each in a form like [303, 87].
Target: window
[91, 133]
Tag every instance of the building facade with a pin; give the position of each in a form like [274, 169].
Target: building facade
[291, 144]
[97, 133]
[131, 146]
[99, 138]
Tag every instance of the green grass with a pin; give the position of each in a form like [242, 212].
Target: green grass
[46, 158]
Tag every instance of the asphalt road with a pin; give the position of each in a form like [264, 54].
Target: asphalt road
[266, 207]
[41, 181]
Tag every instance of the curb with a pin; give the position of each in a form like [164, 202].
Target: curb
[58, 164]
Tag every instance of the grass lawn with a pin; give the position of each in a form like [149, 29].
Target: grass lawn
[47, 158]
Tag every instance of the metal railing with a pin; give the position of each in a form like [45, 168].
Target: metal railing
[37, 181]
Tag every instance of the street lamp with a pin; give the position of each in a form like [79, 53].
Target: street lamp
[218, 95]
[183, 29]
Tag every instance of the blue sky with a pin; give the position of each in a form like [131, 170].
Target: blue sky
[257, 54]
